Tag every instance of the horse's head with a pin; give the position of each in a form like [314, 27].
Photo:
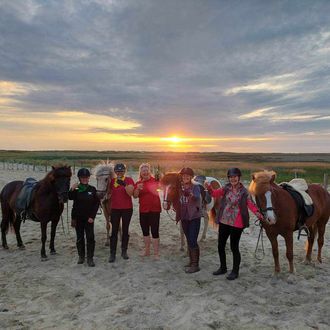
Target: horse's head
[103, 172]
[261, 188]
[60, 176]
[171, 184]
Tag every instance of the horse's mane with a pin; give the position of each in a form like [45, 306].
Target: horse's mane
[170, 178]
[261, 182]
[103, 167]
[57, 170]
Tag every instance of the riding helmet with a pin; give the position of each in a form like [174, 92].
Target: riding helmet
[187, 170]
[83, 173]
[234, 171]
[120, 167]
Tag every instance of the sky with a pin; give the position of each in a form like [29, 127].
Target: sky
[155, 75]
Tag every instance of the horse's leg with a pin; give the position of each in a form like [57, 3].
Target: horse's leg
[52, 237]
[273, 241]
[182, 238]
[17, 227]
[309, 245]
[4, 229]
[289, 250]
[107, 226]
[43, 226]
[206, 224]
[320, 240]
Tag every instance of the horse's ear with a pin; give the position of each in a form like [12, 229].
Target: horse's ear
[273, 177]
[253, 177]
[53, 167]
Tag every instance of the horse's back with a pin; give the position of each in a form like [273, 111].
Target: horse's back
[10, 190]
[321, 199]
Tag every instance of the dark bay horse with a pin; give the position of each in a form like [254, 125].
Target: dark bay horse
[46, 205]
[172, 186]
[104, 172]
[282, 215]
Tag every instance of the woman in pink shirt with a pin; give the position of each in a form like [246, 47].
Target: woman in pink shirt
[146, 189]
[121, 189]
[233, 217]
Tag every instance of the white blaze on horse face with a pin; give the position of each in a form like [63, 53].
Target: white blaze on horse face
[270, 213]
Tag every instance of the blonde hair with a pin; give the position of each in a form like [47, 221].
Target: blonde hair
[144, 165]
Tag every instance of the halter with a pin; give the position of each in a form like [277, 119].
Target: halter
[99, 175]
[165, 200]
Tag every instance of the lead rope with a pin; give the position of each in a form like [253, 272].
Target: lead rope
[260, 236]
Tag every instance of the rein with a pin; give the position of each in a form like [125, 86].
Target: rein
[260, 236]
[165, 200]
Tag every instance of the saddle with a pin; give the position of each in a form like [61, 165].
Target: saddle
[24, 198]
[298, 189]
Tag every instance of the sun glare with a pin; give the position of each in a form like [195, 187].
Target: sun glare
[173, 139]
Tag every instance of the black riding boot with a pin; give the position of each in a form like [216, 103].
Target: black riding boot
[113, 248]
[81, 250]
[90, 253]
[124, 245]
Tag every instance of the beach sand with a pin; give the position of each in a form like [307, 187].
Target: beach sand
[143, 293]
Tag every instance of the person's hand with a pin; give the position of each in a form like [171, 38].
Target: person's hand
[121, 182]
[260, 216]
[207, 185]
[139, 186]
[186, 193]
[90, 220]
[75, 186]
[73, 223]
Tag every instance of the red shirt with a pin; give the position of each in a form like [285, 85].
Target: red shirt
[148, 197]
[119, 197]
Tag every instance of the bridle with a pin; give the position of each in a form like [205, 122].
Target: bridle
[166, 202]
[101, 175]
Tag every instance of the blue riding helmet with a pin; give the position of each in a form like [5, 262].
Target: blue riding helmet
[83, 173]
[120, 167]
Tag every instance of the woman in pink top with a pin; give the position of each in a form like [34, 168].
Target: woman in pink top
[121, 189]
[233, 217]
[146, 189]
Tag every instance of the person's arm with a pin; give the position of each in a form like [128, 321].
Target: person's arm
[95, 205]
[129, 187]
[72, 194]
[137, 188]
[254, 208]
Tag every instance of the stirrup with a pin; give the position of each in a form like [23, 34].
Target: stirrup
[305, 228]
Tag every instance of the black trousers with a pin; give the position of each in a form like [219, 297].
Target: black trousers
[150, 221]
[84, 227]
[125, 215]
[234, 233]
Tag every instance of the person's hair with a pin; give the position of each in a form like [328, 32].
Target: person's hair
[144, 165]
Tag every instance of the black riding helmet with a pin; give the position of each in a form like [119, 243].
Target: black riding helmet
[187, 170]
[234, 171]
[83, 172]
[120, 167]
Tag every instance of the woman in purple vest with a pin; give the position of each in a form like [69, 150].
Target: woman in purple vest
[233, 217]
[190, 215]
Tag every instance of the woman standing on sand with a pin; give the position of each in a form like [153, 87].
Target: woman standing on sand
[85, 206]
[121, 190]
[233, 217]
[146, 189]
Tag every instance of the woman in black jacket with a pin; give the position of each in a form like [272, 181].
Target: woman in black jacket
[85, 206]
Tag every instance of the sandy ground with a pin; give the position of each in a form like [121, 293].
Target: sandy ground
[143, 293]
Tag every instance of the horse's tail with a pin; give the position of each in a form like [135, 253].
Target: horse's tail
[7, 213]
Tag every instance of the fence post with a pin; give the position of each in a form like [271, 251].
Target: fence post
[325, 181]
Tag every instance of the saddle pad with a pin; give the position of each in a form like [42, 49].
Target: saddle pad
[24, 197]
[300, 185]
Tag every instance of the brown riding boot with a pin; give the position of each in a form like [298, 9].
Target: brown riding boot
[194, 261]
[189, 255]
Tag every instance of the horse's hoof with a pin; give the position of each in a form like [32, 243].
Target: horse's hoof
[21, 247]
[53, 252]
[182, 249]
[5, 247]
[107, 243]
[45, 258]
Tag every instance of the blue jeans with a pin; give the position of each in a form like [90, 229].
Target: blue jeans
[191, 231]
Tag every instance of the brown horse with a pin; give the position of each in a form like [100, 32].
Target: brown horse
[282, 215]
[171, 186]
[104, 172]
[46, 205]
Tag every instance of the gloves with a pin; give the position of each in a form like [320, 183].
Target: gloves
[121, 182]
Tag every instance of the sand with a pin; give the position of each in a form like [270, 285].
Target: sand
[143, 293]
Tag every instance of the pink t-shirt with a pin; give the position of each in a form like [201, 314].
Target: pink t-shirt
[119, 197]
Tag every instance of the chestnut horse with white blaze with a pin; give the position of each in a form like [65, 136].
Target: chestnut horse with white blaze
[282, 215]
[171, 186]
